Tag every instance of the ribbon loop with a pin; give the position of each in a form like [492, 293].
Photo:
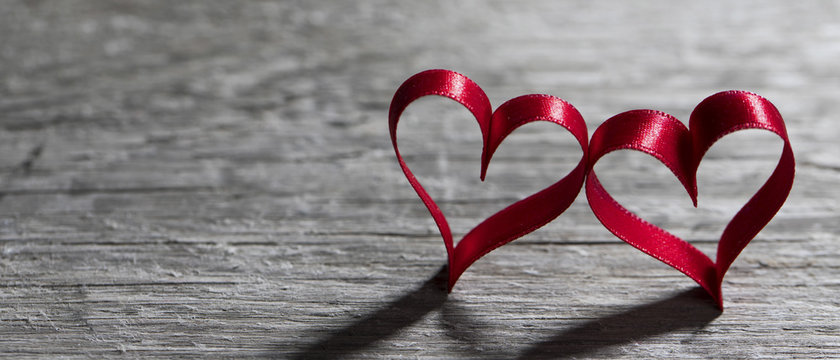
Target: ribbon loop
[521, 217]
[722, 114]
[681, 149]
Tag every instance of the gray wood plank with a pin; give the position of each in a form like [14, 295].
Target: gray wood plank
[215, 179]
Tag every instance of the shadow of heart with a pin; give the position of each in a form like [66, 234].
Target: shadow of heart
[386, 321]
[688, 310]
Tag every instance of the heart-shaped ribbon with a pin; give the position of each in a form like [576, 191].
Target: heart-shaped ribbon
[521, 217]
[655, 133]
[681, 149]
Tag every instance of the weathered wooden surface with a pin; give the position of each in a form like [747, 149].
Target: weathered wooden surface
[215, 179]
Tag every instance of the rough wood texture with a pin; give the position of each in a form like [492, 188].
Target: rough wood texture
[214, 179]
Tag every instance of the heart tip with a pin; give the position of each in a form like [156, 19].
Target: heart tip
[718, 298]
[692, 192]
[485, 162]
[719, 304]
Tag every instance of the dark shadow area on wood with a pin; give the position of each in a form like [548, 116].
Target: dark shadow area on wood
[689, 310]
[473, 335]
[385, 322]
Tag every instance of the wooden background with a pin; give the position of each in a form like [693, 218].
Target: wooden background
[215, 179]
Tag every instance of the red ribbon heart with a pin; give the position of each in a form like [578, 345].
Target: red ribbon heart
[521, 217]
[655, 133]
[681, 149]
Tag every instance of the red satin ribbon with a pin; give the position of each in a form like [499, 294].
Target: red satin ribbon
[652, 132]
[521, 217]
[681, 149]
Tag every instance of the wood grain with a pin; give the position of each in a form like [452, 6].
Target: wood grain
[214, 179]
